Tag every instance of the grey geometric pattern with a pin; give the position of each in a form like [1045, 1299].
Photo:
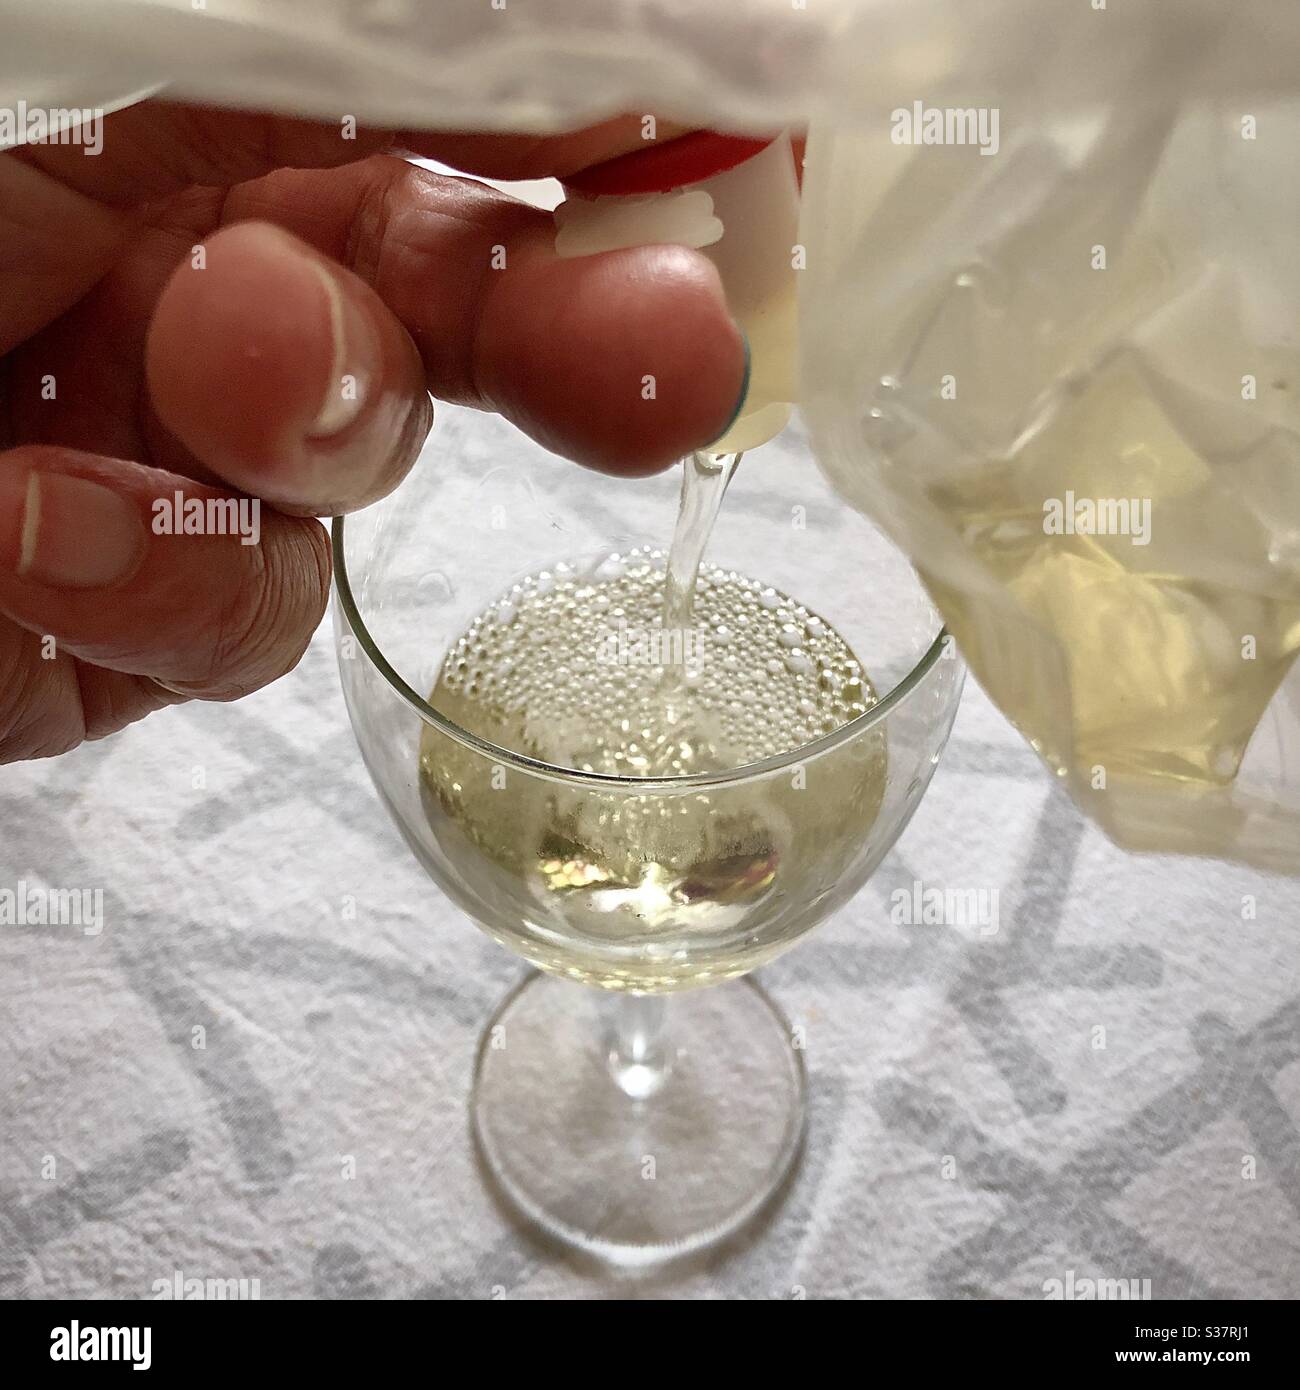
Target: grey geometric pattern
[1109, 1083]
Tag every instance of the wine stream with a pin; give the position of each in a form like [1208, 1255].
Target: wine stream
[705, 479]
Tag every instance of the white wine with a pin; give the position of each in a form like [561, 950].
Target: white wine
[569, 668]
[666, 887]
[1168, 614]
[1069, 391]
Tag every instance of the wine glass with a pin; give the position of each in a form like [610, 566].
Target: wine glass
[634, 1126]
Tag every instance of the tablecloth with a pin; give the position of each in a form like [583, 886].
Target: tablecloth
[259, 1068]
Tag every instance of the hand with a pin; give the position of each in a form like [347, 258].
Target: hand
[290, 359]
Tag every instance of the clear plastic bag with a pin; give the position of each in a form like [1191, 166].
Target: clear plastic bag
[1062, 373]
[1074, 372]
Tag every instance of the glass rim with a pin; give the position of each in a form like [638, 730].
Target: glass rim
[806, 752]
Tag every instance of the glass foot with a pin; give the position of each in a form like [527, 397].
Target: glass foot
[631, 1141]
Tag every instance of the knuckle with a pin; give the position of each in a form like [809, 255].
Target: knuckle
[262, 629]
[40, 704]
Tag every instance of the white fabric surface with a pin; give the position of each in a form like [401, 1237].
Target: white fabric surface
[968, 1137]
[333, 1034]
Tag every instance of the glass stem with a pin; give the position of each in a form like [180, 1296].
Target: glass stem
[638, 1052]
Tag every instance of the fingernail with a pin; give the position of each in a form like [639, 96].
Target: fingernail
[352, 365]
[744, 385]
[70, 533]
